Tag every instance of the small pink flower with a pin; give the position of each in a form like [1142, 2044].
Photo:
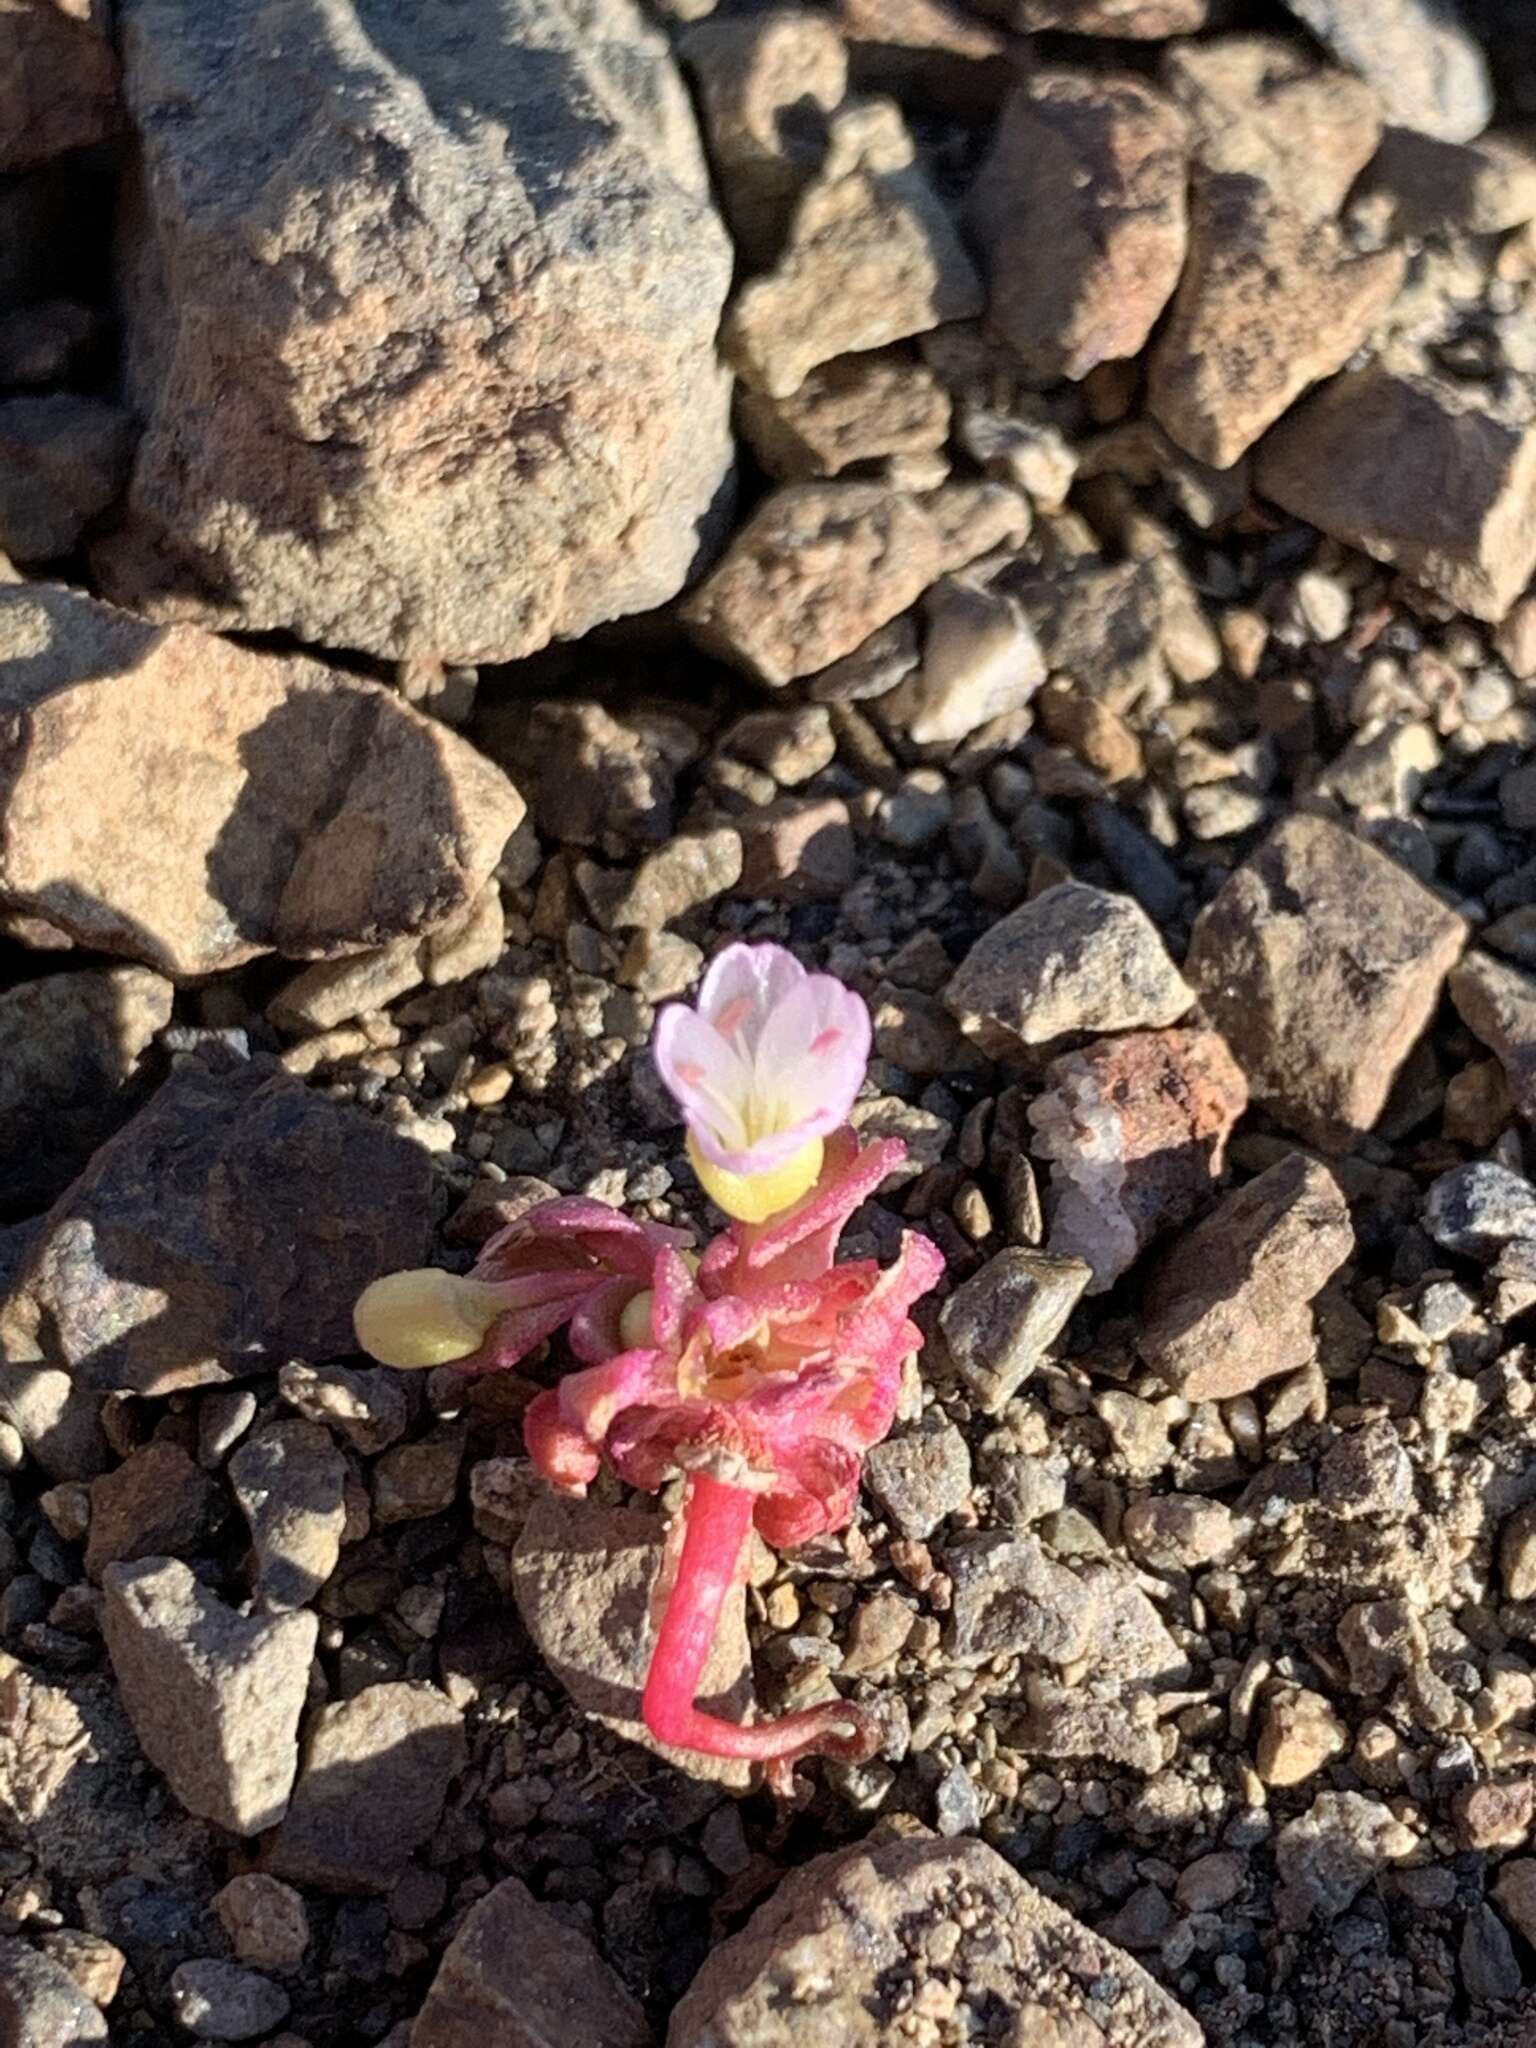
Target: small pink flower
[764, 1377]
[763, 1070]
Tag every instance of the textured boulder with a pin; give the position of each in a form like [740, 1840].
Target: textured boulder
[422, 325]
[851, 1942]
[516, 1975]
[231, 1225]
[58, 78]
[238, 802]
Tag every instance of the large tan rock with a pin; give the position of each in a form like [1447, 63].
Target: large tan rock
[58, 78]
[1421, 58]
[422, 323]
[1415, 471]
[852, 1940]
[169, 797]
[1079, 212]
[1269, 303]
[1320, 962]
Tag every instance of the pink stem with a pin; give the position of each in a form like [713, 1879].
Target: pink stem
[716, 1520]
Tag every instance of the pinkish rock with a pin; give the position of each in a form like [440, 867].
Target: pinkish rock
[1079, 212]
[241, 803]
[1136, 1129]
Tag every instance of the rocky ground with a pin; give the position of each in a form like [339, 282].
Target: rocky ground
[1030, 505]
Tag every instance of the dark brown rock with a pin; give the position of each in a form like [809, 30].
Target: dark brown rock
[230, 1226]
[516, 1976]
[71, 1072]
[63, 459]
[1321, 961]
[58, 79]
[376, 1772]
[157, 1503]
[452, 392]
[1230, 1305]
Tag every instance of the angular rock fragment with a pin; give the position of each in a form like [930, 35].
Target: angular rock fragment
[73, 1047]
[593, 776]
[1424, 63]
[1432, 187]
[919, 1476]
[980, 662]
[1420, 474]
[241, 802]
[852, 1931]
[1121, 631]
[1327, 1855]
[1076, 958]
[156, 1503]
[583, 1577]
[1011, 1600]
[41, 2005]
[998, 1325]
[218, 1234]
[517, 1976]
[1497, 1003]
[819, 567]
[1269, 303]
[928, 52]
[854, 409]
[453, 391]
[766, 86]
[218, 2001]
[1262, 107]
[290, 1481]
[376, 1772]
[1079, 213]
[872, 257]
[63, 459]
[42, 1739]
[214, 1699]
[1321, 961]
[1136, 1130]
[1230, 1306]
[58, 79]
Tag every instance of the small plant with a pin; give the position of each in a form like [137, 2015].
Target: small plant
[761, 1371]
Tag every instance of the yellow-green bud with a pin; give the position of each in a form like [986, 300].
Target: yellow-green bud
[424, 1317]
